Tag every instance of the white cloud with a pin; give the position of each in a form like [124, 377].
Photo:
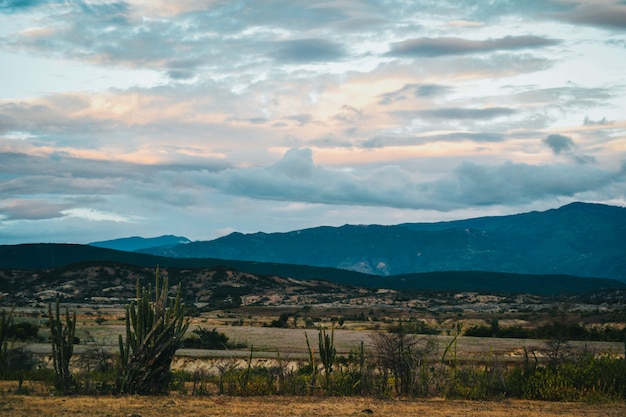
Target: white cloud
[96, 215]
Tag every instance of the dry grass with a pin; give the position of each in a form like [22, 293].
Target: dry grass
[176, 405]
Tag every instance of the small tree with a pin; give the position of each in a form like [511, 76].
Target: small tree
[154, 330]
[62, 340]
[402, 355]
[6, 320]
[20, 360]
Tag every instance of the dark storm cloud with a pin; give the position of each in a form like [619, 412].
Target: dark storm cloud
[564, 145]
[436, 47]
[65, 175]
[31, 209]
[182, 69]
[559, 143]
[603, 15]
[465, 113]
[307, 50]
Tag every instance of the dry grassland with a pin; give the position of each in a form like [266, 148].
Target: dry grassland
[176, 405]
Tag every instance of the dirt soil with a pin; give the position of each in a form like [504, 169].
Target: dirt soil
[178, 405]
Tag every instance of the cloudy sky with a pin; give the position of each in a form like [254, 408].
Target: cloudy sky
[199, 118]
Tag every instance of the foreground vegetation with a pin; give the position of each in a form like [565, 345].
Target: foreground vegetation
[403, 358]
[395, 363]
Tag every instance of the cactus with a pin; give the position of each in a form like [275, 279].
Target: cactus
[327, 352]
[154, 330]
[62, 340]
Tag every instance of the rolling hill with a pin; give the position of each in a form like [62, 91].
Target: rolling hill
[38, 263]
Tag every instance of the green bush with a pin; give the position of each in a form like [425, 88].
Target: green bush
[588, 379]
[23, 331]
[206, 339]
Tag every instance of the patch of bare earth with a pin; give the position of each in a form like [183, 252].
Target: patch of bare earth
[177, 405]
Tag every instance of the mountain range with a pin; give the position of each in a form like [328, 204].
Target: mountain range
[581, 239]
[577, 248]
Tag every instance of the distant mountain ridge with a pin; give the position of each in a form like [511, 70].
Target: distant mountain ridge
[134, 243]
[580, 239]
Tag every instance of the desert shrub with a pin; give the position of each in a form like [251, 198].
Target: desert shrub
[412, 327]
[401, 359]
[23, 331]
[96, 371]
[96, 381]
[479, 331]
[572, 331]
[477, 383]
[211, 339]
[206, 339]
[179, 380]
[346, 383]
[258, 381]
[252, 381]
[297, 382]
[353, 375]
[281, 322]
[18, 363]
[587, 379]
[513, 332]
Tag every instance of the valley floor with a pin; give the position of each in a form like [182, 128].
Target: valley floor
[177, 405]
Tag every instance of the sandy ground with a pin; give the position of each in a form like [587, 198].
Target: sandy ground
[176, 405]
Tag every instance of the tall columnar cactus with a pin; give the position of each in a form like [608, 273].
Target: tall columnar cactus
[154, 330]
[327, 352]
[62, 340]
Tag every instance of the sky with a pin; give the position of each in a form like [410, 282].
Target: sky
[203, 117]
